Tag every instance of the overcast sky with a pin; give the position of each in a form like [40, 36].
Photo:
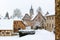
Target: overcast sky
[25, 5]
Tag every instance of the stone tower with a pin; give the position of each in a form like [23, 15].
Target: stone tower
[31, 12]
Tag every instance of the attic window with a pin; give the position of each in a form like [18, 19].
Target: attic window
[36, 20]
[38, 17]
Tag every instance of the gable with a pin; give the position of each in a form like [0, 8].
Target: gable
[26, 17]
[37, 17]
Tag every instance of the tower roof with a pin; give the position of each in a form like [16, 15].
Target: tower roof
[31, 8]
[39, 9]
[31, 11]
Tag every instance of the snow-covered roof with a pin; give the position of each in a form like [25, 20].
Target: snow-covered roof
[26, 16]
[33, 16]
[6, 24]
[16, 18]
[50, 14]
[36, 15]
[25, 22]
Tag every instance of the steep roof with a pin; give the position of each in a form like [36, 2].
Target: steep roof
[37, 15]
[26, 17]
[33, 16]
[49, 14]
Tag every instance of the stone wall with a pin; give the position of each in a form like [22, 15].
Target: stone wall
[50, 22]
[57, 20]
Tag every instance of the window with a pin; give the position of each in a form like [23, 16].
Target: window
[38, 17]
[52, 18]
[47, 24]
[52, 25]
[47, 18]
[2, 32]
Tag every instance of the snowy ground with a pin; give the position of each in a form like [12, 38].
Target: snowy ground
[39, 35]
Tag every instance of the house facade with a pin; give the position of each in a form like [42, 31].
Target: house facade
[50, 22]
[38, 21]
